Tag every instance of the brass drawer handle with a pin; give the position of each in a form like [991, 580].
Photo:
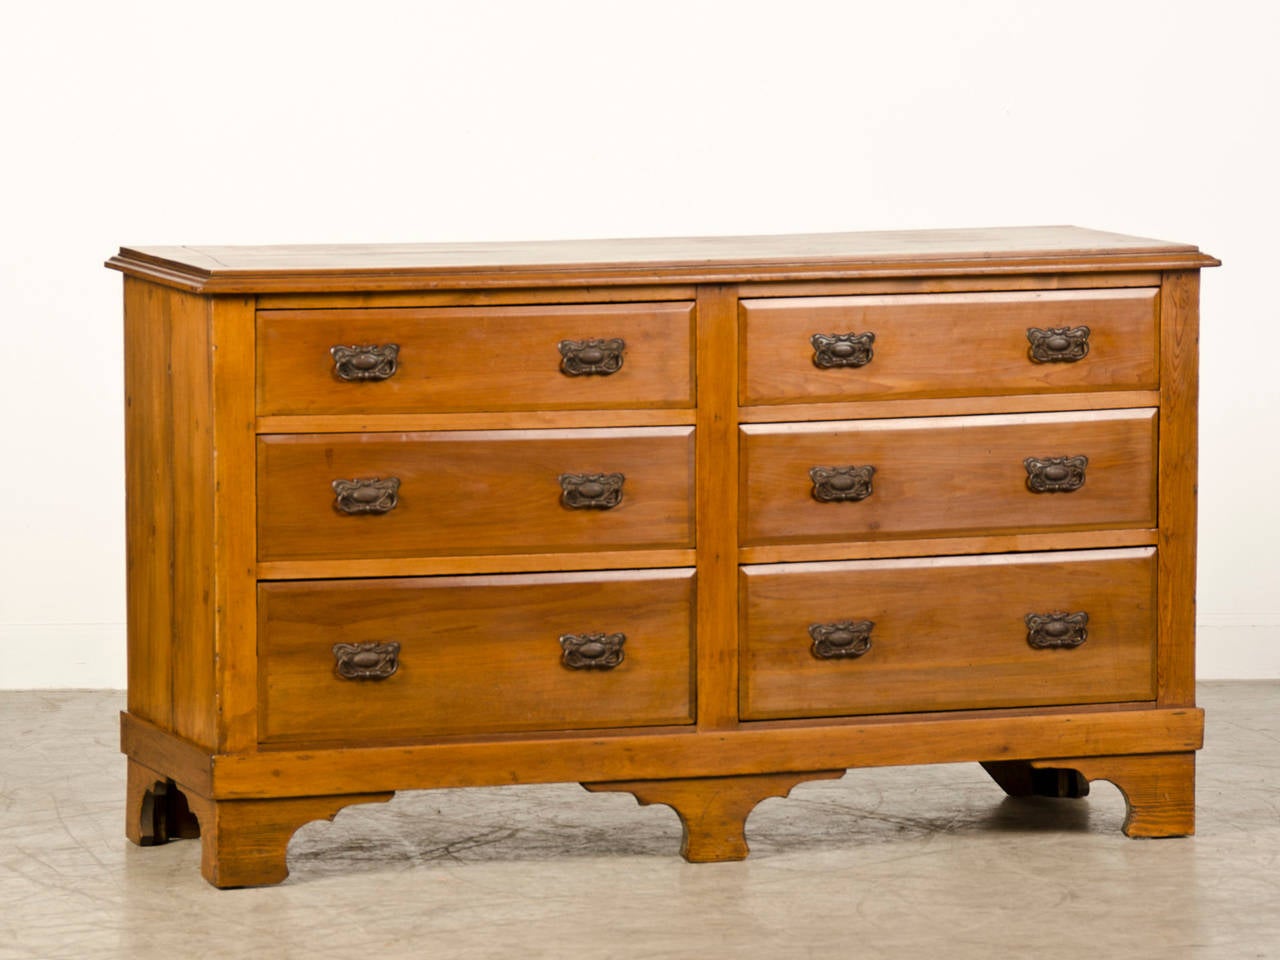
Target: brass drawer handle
[591, 358]
[842, 349]
[366, 495]
[833, 484]
[842, 640]
[1057, 344]
[366, 661]
[1055, 474]
[1058, 630]
[591, 651]
[368, 362]
[591, 491]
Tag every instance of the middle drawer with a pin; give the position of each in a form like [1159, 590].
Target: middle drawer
[359, 496]
[946, 476]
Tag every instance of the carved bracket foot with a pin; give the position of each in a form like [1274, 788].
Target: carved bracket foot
[1159, 789]
[714, 810]
[245, 840]
[156, 810]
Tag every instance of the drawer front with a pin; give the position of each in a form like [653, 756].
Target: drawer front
[944, 476]
[965, 344]
[475, 358]
[358, 496]
[475, 655]
[948, 634]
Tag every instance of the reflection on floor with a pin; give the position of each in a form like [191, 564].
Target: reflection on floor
[903, 862]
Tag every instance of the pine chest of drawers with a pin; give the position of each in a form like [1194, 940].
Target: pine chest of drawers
[693, 519]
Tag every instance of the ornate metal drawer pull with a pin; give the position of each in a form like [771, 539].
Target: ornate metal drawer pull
[591, 491]
[842, 349]
[366, 495]
[1057, 344]
[833, 484]
[366, 661]
[368, 362]
[591, 358]
[591, 651]
[1055, 474]
[842, 640]
[1057, 630]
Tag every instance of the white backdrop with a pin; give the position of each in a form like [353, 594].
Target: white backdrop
[258, 122]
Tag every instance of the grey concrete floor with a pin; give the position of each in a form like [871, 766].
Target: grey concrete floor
[893, 863]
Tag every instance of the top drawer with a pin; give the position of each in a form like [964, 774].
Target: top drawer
[939, 345]
[475, 358]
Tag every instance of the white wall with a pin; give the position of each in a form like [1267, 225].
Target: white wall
[254, 122]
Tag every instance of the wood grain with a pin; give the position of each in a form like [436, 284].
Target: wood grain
[928, 283]
[963, 344]
[713, 811]
[244, 842]
[481, 297]
[475, 359]
[717, 530]
[473, 493]
[498, 563]
[946, 546]
[954, 475]
[164, 752]
[948, 407]
[592, 263]
[234, 527]
[477, 655]
[504, 420]
[1159, 789]
[949, 633]
[148, 441]
[754, 748]
[1179, 396]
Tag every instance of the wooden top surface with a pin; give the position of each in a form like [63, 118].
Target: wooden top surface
[298, 268]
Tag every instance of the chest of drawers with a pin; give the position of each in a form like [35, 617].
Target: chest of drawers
[693, 519]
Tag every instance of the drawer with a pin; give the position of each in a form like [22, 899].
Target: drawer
[473, 655]
[357, 496]
[939, 345]
[948, 633]
[475, 358]
[939, 476]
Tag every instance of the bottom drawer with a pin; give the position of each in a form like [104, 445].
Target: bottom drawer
[951, 633]
[475, 655]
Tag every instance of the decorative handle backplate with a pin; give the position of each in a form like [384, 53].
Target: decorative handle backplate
[591, 651]
[1057, 344]
[366, 495]
[842, 349]
[833, 484]
[591, 358]
[591, 491]
[366, 661]
[1055, 474]
[842, 640]
[368, 362]
[1057, 630]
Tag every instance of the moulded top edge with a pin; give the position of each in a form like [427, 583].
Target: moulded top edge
[333, 267]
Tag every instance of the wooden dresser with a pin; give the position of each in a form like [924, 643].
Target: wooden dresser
[693, 519]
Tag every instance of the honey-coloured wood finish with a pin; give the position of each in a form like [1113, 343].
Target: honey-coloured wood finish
[1158, 789]
[947, 475]
[478, 492]
[477, 655]
[247, 568]
[949, 633]
[475, 359]
[962, 344]
[713, 810]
